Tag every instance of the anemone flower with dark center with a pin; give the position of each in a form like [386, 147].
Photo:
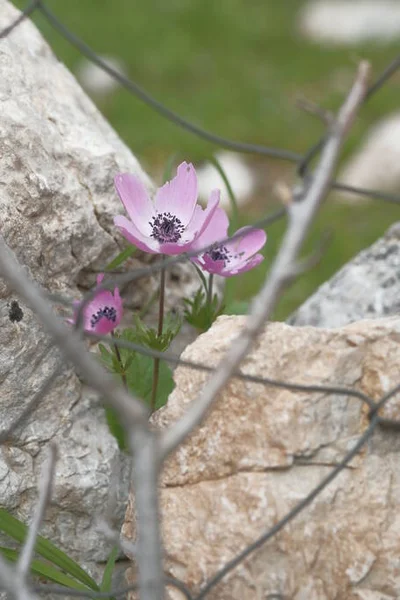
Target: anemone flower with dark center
[229, 257]
[173, 221]
[103, 313]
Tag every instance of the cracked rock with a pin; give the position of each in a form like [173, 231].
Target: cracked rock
[262, 449]
[57, 202]
[366, 287]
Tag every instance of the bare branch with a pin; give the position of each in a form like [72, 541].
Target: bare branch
[114, 537]
[300, 216]
[149, 553]
[46, 484]
[131, 410]
[21, 17]
[15, 586]
[132, 413]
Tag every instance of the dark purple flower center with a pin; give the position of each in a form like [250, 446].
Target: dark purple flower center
[166, 228]
[108, 312]
[219, 252]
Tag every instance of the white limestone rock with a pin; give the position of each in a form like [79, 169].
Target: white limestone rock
[376, 164]
[366, 287]
[58, 157]
[263, 449]
[350, 22]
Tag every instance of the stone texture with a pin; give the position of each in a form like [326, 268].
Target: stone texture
[366, 287]
[262, 449]
[375, 165]
[350, 22]
[57, 202]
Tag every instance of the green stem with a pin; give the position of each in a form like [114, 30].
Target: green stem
[119, 359]
[210, 291]
[156, 369]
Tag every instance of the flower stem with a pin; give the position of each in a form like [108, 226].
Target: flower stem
[119, 359]
[210, 291]
[156, 369]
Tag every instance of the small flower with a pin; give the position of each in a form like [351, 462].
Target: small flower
[103, 313]
[234, 256]
[171, 223]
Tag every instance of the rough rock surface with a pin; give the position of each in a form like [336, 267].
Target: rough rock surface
[262, 449]
[350, 22]
[58, 160]
[366, 287]
[375, 164]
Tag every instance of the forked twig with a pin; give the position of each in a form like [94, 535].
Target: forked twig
[300, 217]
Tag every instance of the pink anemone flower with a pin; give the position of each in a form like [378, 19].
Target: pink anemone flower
[103, 313]
[231, 257]
[170, 224]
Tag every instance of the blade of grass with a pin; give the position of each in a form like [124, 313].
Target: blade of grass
[106, 581]
[42, 569]
[17, 530]
[120, 258]
[232, 198]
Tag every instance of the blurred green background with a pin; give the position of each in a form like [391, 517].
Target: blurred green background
[236, 68]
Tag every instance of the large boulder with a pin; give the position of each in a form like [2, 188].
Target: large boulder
[57, 202]
[263, 449]
[366, 287]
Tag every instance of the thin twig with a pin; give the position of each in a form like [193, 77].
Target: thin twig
[149, 554]
[301, 215]
[46, 483]
[289, 385]
[21, 17]
[158, 106]
[15, 586]
[131, 410]
[300, 506]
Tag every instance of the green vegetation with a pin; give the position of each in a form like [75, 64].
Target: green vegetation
[236, 68]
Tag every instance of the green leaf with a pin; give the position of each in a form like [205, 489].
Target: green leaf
[42, 569]
[17, 530]
[139, 378]
[116, 429]
[199, 313]
[106, 581]
[148, 336]
[121, 258]
[138, 370]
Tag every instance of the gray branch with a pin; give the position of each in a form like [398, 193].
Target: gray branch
[133, 415]
[300, 215]
[132, 411]
[46, 484]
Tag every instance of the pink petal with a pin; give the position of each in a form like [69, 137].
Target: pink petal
[247, 241]
[179, 196]
[251, 242]
[134, 236]
[118, 306]
[204, 218]
[172, 248]
[99, 278]
[217, 229]
[235, 268]
[134, 197]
